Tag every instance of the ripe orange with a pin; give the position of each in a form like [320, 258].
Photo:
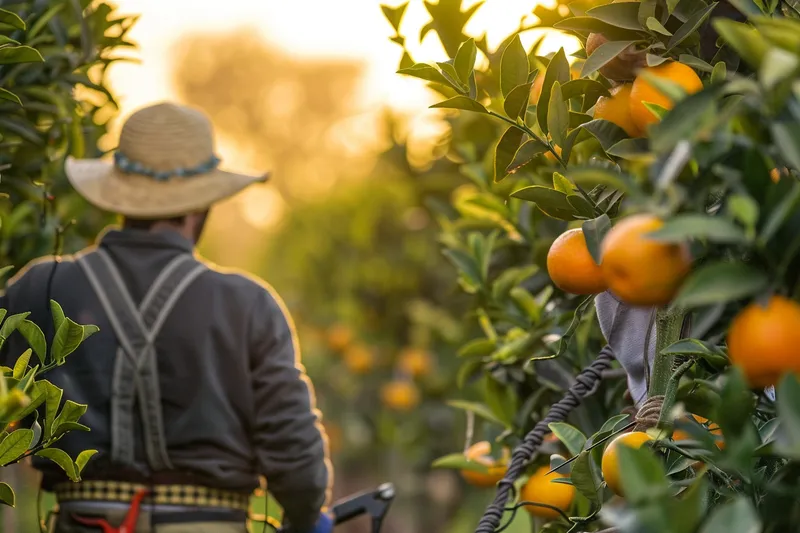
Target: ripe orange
[764, 341]
[610, 463]
[624, 66]
[480, 453]
[416, 362]
[359, 359]
[571, 266]
[617, 109]
[541, 489]
[536, 88]
[400, 395]
[639, 270]
[339, 337]
[642, 91]
[776, 173]
[550, 157]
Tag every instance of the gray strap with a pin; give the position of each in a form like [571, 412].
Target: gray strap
[136, 330]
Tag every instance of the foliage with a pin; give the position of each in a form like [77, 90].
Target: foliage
[538, 166]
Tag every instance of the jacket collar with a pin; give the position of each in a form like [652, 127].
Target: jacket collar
[114, 236]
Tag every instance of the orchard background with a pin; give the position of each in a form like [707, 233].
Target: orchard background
[442, 305]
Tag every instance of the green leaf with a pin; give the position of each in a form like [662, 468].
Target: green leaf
[62, 459]
[698, 348]
[501, 400]
[35, 337]
[68, 337]
[516, 103]
[457, 461]
[590, 89]
[513, 66]
[426, 72]
[603, 55]
[720, 72]
[570, 436]
[504, 152]
[557, 71]
[744, 209]
[789, 394]
[682, 228]
[557, 116]
[780, 213]
[643, 475]
[594, 231]
[394, 14]
[83, 458]
[788, 147]
[744, 39]
[5, 94]
[12, 19]
[583, 208]
[464, 62]
[14, 445]
[19, 54]
[776, 66]
[53, 401]
[737, 516]
[526, 153]
[21, 365]
[562, 184]
[7, 496]
[549, 201]
[461, 102]
[466, 264]
[620, 15]
[478, 408]
[721, 283]
[653, 24]
[583, 478]
[11, 324]
[57, 314]
[606, 132]
[477, 347]
[71, 412]
[690, 26]
[66, 427]
[589, 177]
[611, 424]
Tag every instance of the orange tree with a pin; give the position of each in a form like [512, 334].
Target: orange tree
[678, 165]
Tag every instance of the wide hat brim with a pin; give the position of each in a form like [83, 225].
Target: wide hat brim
[140, 196]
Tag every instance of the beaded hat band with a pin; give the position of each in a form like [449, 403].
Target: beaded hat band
[165, 165]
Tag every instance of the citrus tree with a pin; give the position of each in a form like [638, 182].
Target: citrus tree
[53, 103]
[656, 182]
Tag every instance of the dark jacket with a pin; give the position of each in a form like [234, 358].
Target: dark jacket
[236, 403]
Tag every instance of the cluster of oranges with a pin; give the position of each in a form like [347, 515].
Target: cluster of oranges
[400, 394]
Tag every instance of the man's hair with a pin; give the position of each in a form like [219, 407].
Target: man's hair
[147, 224]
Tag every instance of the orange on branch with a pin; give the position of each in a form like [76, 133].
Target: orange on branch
[617, 109]
[416, 362]
[339, 337]
[639, 270]
[541, 488]
[480, 452]
[624, 66]
[571, 267]
[400, 396]
[643, 91]
[764, 341]
[359, 359]
[610, 462]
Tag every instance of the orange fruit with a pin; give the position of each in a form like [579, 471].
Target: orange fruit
[416, 362]
[480, 452]
[550, 157]
[571, 267]
[776, 173]
[359, 359]
[610, 462]
[617, 109]
[339, 337]
[764, 341]
[400, 395]
[540, 488]
[641, 271]
[536, 88]
[642, 91]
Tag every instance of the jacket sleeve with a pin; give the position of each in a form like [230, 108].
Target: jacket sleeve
[291, 445]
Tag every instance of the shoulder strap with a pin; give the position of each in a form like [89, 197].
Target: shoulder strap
[136, 369]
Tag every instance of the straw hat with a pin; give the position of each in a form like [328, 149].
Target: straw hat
[164, 166]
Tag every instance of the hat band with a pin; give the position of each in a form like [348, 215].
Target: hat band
[124, 164]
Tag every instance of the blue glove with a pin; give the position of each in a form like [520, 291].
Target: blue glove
[323, 525]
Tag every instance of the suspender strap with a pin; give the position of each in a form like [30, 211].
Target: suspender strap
[135, 369]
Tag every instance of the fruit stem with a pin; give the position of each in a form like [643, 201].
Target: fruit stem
[672, 392]
[669, 322]
[532, 135]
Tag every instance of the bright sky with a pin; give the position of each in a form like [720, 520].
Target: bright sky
[316, 28]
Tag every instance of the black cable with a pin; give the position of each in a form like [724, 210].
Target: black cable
[585, 383]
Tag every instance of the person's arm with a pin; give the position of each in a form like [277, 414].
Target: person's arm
[290, 443]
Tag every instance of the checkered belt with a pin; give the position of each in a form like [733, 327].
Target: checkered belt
[185, 495]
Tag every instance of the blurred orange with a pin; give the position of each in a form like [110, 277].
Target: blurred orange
[480, 452]
[339, 337]
[416, 362]
[400, 395]
[359, 359]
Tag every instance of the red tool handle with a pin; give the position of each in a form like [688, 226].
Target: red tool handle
[128, 524]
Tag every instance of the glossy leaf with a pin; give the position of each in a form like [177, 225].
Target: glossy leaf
[691, 26]
[7, 496]
[557, 71]
[594, 231]
[721, 283]
[516, 103]
[557, 116]
[62, 459]
[602, 55]
[461, 102]
[505, 151]
[712, 228]
[526, 153]
[551, 202]
[35, 337]
[570, 436]
[14, 445]
[464, 62]
[513, 66]
[737, 516]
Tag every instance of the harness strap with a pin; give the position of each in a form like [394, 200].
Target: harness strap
[135, 369]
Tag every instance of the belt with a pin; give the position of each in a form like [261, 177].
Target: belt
[183, 495]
